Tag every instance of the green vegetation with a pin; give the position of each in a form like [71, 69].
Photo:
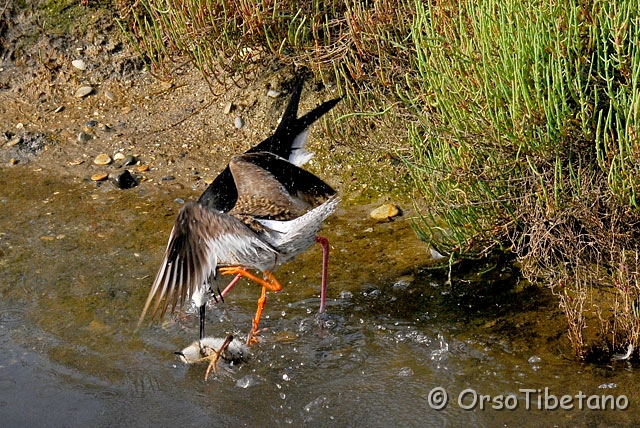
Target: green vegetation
[521, 120]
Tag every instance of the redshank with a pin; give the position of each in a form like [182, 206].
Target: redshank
[260, 212]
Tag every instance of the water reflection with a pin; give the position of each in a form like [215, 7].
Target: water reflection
[76, 264]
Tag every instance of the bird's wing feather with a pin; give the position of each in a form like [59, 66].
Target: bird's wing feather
[202, 240]
[280, 186]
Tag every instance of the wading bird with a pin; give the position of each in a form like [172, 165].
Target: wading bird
[261, 211]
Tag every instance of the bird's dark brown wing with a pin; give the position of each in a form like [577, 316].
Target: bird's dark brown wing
[270, 187]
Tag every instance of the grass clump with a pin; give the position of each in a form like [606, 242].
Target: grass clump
[527, 142]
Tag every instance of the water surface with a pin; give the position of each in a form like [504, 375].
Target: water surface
[76, 264]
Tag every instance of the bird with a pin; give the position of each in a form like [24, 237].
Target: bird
[212, 349]
[261, 211]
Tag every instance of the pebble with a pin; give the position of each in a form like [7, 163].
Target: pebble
[83, 91]
[168, 178]
[238, 122]
[102, 159]
[91, 123]
[124, 180]
[271, 93]
[13, 161]
[83, 137]
[79, 64]
[228, 107]
[109, 95]
[130, 160]
[118, 156]
[14, 141]
[143, 168]
[384, 212]
[99, 176]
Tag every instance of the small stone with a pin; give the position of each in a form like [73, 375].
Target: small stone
[76, 162]
[271, 93]
[534, 359]
[14, 141]
[83, 91]
[228, 107]
[166, 85]
[168, 178]
[91, 123]
[384, 212]
[79, 64]
[102, 159]
[109, 95]
[238, 122]
[13, 161]
[99, 176]
[118, 156]
[130, 160]
[59, 109]
[143, 168]
[83, 137]
[124, 180]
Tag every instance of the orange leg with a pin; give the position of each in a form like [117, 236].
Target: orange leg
[270, 282]
[214, 356]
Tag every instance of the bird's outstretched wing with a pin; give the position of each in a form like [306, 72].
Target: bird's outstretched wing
[202, 240]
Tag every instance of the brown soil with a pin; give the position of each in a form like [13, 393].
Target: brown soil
[178, 128]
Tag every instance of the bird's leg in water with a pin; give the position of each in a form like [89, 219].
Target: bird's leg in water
[270, 283]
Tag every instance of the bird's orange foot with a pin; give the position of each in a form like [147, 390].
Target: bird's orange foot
[213, 356]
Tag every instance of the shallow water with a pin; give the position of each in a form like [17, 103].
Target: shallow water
[76, 264]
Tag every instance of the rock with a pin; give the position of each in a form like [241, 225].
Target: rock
[102, 159]
[238, 122]
[384, 212]
[130, 160]
[271, 93]
[109, 95]
[14, 141]
[99, 176]
[13, 161]
[168, 178]
[83, 137]
[124, 180]
[118, 156]
[91, 123]
[79, 64]
[227, 108]
[83, 91]
[143, 168]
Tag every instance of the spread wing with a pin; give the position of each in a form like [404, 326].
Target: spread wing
[200, 241]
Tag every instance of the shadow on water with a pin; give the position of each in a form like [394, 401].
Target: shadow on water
[77, 261]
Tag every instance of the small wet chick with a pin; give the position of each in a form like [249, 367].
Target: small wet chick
[213, 348]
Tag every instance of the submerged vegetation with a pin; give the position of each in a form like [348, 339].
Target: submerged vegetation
[521, 121]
